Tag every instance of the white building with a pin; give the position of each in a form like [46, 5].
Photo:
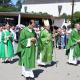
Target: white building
[50, 6]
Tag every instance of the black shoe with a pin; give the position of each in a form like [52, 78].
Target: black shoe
[22, 75]
[32, 78]
[59, 47]
[7, 61]
[27, 78]
[41, 65]
[72, 64]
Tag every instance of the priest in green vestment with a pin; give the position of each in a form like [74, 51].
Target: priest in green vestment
[45, 45]
[8, 38]
[26, 50]
[2, 51]
[74, 45]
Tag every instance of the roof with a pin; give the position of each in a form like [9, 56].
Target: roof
[46, 1]
[25, 15]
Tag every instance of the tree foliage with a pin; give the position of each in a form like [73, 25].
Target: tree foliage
[76, 17]
[19, 5]
[5, 2]
[7, 6]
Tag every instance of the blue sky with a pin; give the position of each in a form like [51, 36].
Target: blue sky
[14, 1]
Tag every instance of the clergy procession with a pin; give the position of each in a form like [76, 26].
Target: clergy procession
[37, 48]
[6, 46]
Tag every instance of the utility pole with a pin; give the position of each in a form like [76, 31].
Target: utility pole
[72, 24]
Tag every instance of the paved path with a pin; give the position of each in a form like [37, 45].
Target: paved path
[61, 71]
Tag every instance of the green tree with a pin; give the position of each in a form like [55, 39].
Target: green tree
[19, 5]
[76, 17]
[7, 6]
[5, 2]
[64, 15]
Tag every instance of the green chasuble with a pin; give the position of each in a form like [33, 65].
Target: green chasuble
[2, 49]
[74, 36]
[8, 44]
[46, 45]
[26, 53]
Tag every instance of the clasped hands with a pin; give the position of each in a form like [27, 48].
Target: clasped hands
[33, 39]
[78, 41]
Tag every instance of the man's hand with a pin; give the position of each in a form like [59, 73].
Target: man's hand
[33, 40]
[78, 41]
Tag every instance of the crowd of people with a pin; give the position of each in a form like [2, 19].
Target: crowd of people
[7, 38]
[61, 36]
[35, 46]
